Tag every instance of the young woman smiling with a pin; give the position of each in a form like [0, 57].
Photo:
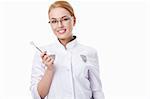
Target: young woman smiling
[74, 72]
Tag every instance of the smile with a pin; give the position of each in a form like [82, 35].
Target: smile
[62, 31]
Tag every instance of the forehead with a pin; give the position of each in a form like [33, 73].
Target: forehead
[58, 12]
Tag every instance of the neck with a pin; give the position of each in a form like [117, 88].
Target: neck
[65, 41]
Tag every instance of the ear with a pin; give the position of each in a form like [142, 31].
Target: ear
[74, 21]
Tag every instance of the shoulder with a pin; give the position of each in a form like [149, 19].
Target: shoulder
[88, 49]
[90, 53]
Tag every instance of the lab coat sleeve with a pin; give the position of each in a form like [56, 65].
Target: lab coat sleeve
[36, 75]
[94, 77]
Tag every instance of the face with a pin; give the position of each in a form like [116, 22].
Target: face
[61, 23]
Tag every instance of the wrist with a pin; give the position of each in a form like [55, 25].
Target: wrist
[50, 68]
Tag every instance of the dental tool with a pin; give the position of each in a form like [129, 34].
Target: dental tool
[32, 43]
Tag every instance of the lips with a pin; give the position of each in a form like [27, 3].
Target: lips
[62, 31]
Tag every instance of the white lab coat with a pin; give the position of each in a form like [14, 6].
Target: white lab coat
[76, 72]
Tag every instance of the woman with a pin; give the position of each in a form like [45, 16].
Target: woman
[74, 72]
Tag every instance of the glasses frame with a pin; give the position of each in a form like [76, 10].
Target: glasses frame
[62, 20]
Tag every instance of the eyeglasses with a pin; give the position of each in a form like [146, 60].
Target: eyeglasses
[63, 20]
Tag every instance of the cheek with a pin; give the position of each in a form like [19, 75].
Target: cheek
[69, 27]
[53, 29]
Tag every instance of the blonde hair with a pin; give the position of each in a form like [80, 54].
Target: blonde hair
[65, 5]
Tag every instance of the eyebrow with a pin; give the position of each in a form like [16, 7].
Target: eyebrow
[60, 17]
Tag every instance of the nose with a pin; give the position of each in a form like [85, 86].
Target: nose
[60, 24]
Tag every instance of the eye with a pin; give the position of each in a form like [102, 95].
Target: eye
[66, 19]
[54, 21]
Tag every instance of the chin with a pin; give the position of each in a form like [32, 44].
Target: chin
[62, 37]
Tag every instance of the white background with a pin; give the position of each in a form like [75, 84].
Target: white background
[118, 29]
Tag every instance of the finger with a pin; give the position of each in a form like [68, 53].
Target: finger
[43, 54]
[45, 57]
[48, 59]
[44, 60]
[52, 60]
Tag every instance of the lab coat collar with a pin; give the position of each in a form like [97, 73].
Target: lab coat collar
[69, 45]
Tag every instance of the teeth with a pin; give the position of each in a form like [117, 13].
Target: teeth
[62, 31]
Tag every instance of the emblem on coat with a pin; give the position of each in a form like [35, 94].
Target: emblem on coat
[84, 58]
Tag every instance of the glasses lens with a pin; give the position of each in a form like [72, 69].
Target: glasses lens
[63, 20]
